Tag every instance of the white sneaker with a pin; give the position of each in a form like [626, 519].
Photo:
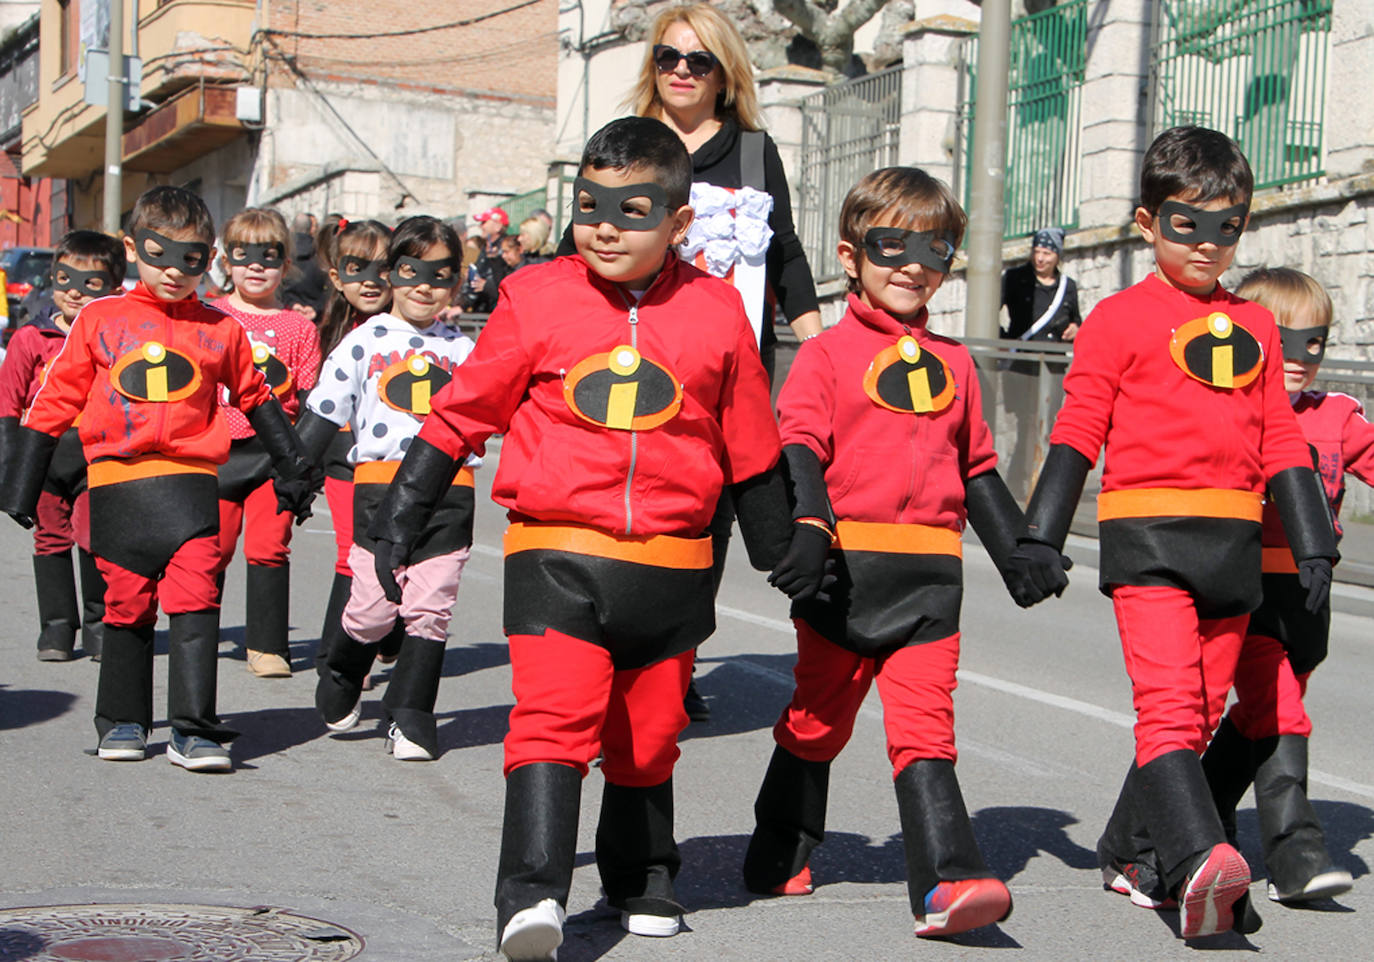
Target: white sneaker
[1324, 886]
[347, 722]
[654, 926]
[403, 748]
[534, 934]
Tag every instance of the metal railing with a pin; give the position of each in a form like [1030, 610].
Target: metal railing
[522, 206]
[1048, 59]
[848, 130]
[1253, 69]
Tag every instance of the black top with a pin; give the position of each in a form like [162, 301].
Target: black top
[1026, 299]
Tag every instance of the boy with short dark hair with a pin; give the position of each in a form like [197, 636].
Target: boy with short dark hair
[1183, 384]
[143, 372]
[86, 265]
[630, 391]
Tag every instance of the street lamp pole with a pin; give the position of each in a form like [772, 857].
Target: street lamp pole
[987, 182]
[114, 122]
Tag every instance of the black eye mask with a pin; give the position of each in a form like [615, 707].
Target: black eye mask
[355, 270]
[263, 255]
[77, 281]
[1209, 225]
[1298, 346]
[929, 248]
[426, 272]
[607, 205]
[190, 257]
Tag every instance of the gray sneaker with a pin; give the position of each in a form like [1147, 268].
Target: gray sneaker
[124, 743]
[197, 754]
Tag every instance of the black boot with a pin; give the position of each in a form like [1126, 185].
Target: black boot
[789, 821]
[1294, 845]
[345, 664]
[538, 838]
[936, 832]
[635, 850]
[266, 621]
[333, 615]
[1125, 853]
[57, 613]
[192, 675]
[410, 696]
[124, 693]
[1229, 764]
[92, 604]
[389, 648]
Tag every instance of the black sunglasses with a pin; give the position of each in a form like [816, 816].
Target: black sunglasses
[700, 63]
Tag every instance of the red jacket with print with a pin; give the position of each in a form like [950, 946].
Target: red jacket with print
[30, 350]
[144, 376]
[627, 417]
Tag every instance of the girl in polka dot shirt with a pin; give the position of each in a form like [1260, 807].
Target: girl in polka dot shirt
[379, 381]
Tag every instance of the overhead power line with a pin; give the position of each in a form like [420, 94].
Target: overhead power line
[466, 22]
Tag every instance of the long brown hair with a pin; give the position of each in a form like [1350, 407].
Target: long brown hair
[360, 238]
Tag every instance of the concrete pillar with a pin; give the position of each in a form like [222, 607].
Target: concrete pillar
[1349, 127]
[780, 90]
[930, 94]
[1115, 97]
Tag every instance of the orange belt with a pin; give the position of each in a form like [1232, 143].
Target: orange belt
[658, 550]
[382, 472]
[1278, 561]
[1180, 502]
[117, 471]
[898, 538]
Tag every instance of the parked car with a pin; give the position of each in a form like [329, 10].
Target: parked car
[25, 268]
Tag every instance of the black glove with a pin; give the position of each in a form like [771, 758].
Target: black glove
[802, 569]
[1314, 574]
[297, 489]
[387, 557]
[1035, 571]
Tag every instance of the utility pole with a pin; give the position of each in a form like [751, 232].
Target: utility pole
[114, 122]
[987, 183]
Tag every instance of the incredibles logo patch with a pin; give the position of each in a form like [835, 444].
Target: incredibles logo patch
[409, 385]
[278, 374]
[153, 372]
[622, 390]
[1217, 351]
[906, 379]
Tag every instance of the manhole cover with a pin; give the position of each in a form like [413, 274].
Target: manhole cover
[170, 933]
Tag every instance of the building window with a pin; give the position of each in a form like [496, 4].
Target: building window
[69, 36]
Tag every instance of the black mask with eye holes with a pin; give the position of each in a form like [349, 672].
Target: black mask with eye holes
[263, 255]
[1209, 226]
[895, 247]
[356, 270]
[608, 205]
[80, 281]
[190, 257]
[425, 272]
[1306, 345]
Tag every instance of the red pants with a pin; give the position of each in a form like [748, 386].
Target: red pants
[571, 702]
[1181, 667]
[61, 523]
[1268, 694]
[916, 685]
[267, 534]
[339, 494]
[186, 584]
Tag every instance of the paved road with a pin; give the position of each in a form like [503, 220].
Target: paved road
[405, 854]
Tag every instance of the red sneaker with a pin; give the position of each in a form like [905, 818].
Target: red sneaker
[799, 884]
[1210, 892]
[953, 907]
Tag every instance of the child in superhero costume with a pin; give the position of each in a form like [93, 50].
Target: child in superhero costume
[1183, 384]
[1263, 738]
[883, 432]
[354, 253]
[380, 380]
[86, 265]
[143, 372]
[286, 350]
[629, 389]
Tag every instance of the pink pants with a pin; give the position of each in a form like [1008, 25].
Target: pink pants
[428, 590]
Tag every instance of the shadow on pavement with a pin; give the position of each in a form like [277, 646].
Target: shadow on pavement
[19, 944]
[21, 707]
[472, 727]
[464, 659]
[267, 731]
[746, 693]
[1011, 835]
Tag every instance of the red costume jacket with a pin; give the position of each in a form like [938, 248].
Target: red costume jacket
[144, 376]
[286, 349]
[26, 360]
[622, 416]
[1187, 395]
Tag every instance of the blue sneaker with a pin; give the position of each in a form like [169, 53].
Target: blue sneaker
[197, 754]
[124, 743]
[953, 907]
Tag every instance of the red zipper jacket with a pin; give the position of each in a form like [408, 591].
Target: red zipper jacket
[640, 451]
[144, 376]
[30, 350]
[885, 465]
